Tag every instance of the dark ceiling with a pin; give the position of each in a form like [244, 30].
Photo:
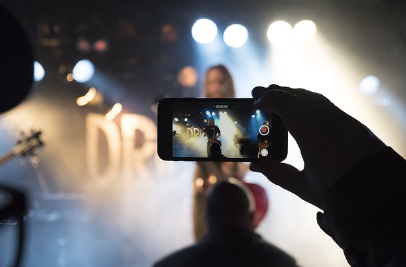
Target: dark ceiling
[372, 32]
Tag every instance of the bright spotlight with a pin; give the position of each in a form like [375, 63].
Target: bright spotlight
[83, 71]
[204, 31]
[304, 30]
[39, 72]
[369, 85]
[235, 35]
[279, 32]
[213, 114]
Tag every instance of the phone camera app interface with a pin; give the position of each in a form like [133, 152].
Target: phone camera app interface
[219, 130]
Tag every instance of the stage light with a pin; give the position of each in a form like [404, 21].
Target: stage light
[83, 71]
[369, 85]
[62, 69]
[199, 182]
[304, 30]
[69, 77]
[213, 114]
[87, 98]
[235, 35]
[113, 112]
[83, 45]
[39, 72]
[208, 113]
[176, 119]
[186, 119]
[253, 116]
[212, 179]
[204, 31]
[101, 46]
[90, 94]
[169, 33]
[258, 111]
[279, 32]
[117, 108]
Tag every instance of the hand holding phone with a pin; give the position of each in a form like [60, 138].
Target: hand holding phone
[331, 142]
[218, 129]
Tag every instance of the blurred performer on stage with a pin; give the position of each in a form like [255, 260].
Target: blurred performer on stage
[218, 83]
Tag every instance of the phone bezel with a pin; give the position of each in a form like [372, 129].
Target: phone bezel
[279, 133]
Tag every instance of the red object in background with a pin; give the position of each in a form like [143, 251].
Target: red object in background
[261, 202]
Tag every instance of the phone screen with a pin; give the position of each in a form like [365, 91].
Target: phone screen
[217, 129]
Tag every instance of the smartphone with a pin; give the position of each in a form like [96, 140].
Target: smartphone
[218, 129]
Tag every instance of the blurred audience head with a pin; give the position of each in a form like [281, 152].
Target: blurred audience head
[230, 203]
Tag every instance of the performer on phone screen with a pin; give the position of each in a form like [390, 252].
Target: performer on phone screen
[212, 132]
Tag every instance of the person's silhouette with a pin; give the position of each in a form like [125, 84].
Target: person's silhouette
[231, 240]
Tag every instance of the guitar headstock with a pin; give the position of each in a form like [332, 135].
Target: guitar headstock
[27, 144]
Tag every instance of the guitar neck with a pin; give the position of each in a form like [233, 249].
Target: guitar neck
[10, 155]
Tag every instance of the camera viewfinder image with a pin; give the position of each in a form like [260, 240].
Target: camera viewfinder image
[220, 130]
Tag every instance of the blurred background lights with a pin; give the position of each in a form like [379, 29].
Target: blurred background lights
[83, 45]
[101, 45]
[113, 112]
[304, 30]
[39, 72]
[369, 85]
[83, 71]
[69, 77]
[235, 35]
[169, 33]
[87, 98]
[279, 32]
[204, 31]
